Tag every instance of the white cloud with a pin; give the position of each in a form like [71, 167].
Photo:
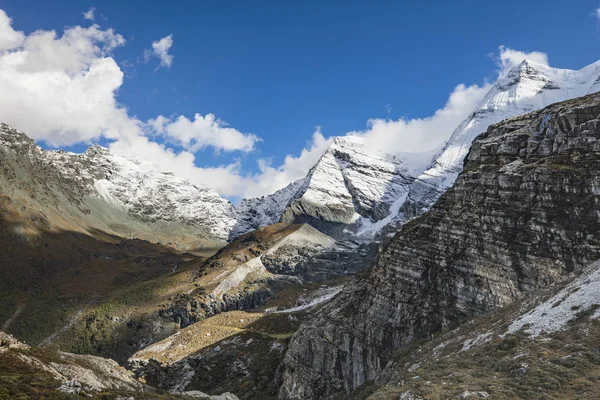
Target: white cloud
[228, 180]
[426, 135]
[293, 168]
[509, 58]
[160, 49]
[597, 13]
[9, 38]
[423, 135]
[62, 89]
[203, 131]
[90, 14]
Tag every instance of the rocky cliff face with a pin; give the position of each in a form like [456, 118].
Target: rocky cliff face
[543, 346]
[248, 271]
[351, 189]
[522, 213]
[527, 87]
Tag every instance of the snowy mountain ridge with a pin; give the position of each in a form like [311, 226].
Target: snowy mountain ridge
[134, 187]
[525, 88]
[352, 187]
[141, 190]
[350, 184]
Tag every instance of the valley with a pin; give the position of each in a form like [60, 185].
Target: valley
[472, 275]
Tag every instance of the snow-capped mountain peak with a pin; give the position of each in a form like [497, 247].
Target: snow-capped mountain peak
[351, 184]
[526, 87]
[145, 192]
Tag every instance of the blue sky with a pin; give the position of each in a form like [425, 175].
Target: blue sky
[279, 69]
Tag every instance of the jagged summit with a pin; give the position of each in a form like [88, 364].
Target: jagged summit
[14, 138]
[351, 190]
[146, 193]
[526, 87]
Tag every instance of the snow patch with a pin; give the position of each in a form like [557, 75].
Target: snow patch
[305, 236]
[553, 315]
[477, 341]
[237, 276]
[329, 293]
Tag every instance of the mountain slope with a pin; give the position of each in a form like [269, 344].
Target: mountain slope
[522, 214]
[32, 373]
[105, 191]
[527, 87]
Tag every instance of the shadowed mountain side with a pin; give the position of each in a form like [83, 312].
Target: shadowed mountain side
[102, 295]
[49, 276]
[91, 292]
[236, 350]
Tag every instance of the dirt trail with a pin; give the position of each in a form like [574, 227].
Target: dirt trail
[50, 338]
[13, 317]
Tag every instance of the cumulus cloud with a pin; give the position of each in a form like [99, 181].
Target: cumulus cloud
[227, 180]
[90, 14]
[160, 49]
[509, 58]
[230, 179]
[423, 135]
[9, 38]
[203, 131]
[62, 90]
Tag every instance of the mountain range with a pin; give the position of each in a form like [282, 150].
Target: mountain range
[352, 190]
[372, 276]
